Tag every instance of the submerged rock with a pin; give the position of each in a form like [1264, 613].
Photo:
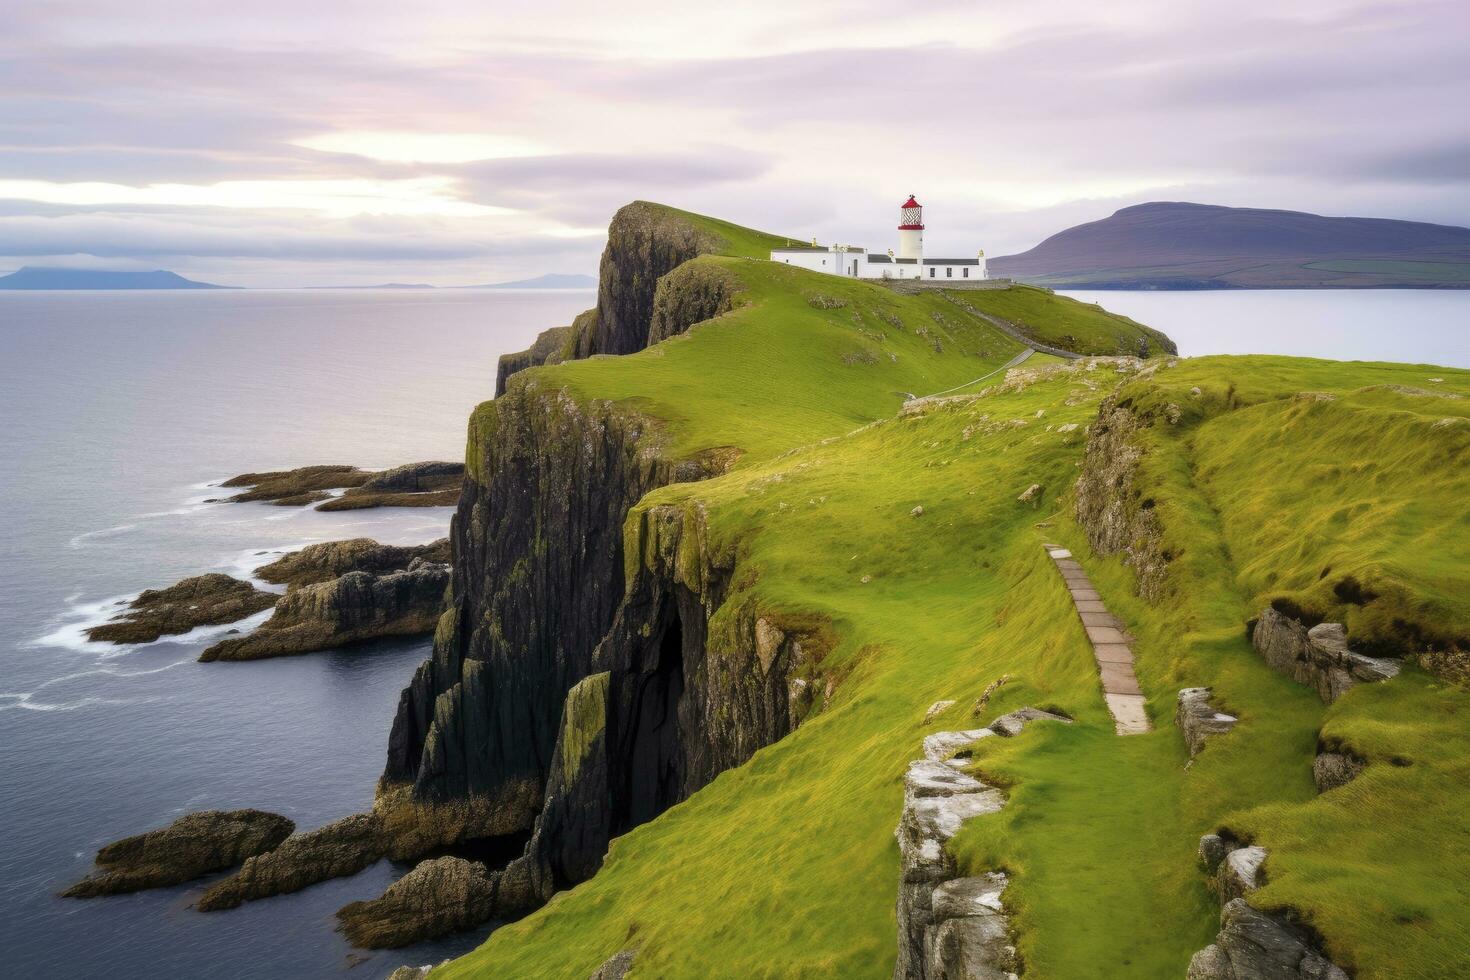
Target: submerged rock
[356, 607]
[341, 848]
[1318, 657]
[332, 559]
[192, 846]
[441, 896]
[204, 600]
[1198, 719]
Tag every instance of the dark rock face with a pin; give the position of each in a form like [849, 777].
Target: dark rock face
[1198, 719]
[205, 600]
[644, 241]
[1110, 507]
[1333, 769]
[1318, 657]
[292, 488]
[356, 607]
[441, 896]
[341, 848]
[332, 559]
[546, 349]
[690, 294]
[193, 845]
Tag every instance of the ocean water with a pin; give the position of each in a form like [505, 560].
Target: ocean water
[1418, 326]
[116, 412]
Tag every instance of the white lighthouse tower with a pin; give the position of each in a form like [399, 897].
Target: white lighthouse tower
[911, 230]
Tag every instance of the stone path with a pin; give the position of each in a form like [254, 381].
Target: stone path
[1110, 645]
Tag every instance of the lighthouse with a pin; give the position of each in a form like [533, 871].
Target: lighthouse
[911, 230]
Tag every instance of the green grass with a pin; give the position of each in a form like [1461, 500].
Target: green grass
[738, 241]
[1061, 321]
[786, 866]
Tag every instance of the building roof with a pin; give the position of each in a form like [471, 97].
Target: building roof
[909, 261]
[951, 261]
[880, 258]
[911, 203]
[803, 248]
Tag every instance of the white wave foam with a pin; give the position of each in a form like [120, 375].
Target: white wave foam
[81, 540]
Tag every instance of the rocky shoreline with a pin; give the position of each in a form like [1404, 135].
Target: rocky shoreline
[426, 484]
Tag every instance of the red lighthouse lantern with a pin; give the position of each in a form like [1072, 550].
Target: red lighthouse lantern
[911, 215]
[911, 233]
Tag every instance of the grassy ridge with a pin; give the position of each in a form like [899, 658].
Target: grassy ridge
[787, 866]
[1059, 321]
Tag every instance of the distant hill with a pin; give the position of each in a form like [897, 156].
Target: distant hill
[381, 285]
[38, 277]
[552, 280]
[1169, 245]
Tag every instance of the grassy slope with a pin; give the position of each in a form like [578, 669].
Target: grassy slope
[738, 240]
[787, 866]
[1063, 322]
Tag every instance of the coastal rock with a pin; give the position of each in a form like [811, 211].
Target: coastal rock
[193, 845]
[341, 848]
[1318, 657]
[1198, 719]
[430, 484]
[1333, 769]
[549, 347]
[948, 926]
[690, 294]
[438, 897]
[1010, 725]
[355, 607]
[332, 559]
[1118, 519]
[294, 488]
[1252, 944]
[1256, 945]
[204, 600]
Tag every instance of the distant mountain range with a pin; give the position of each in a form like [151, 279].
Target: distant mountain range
[1172, 245]
[39, 277]
[552, 280]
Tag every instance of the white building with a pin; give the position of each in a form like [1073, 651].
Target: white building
[907, 263]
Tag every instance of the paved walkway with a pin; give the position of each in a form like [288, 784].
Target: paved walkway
[1110, 645]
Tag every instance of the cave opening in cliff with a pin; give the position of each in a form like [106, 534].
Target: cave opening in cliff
[494, 851]
[655, 765]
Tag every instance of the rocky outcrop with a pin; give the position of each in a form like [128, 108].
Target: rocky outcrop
[333, 559]
[205, 600]
[430, 484]
[644, 241]
[192, 846]
[1118, 518]
[1253, 944]
[293, 488]
[445, 895]
[1198, 720]
[615, 967]
[341, 848]
[690, 294]
[1333, 769]
[951, 926]
[355, 607]
[548, 348]
[1318, 657]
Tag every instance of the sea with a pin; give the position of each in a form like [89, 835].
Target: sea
[120, 412]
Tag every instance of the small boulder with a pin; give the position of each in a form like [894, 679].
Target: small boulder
[1256, 945]
[1031, 495]
[194, 845]
[1333, 769]
[441, 896]
[1240, 873]
[1010, 725]
[615, 967]
[1198, 719]
[917, 512]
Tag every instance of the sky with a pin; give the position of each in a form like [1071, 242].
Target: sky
[279, 144]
